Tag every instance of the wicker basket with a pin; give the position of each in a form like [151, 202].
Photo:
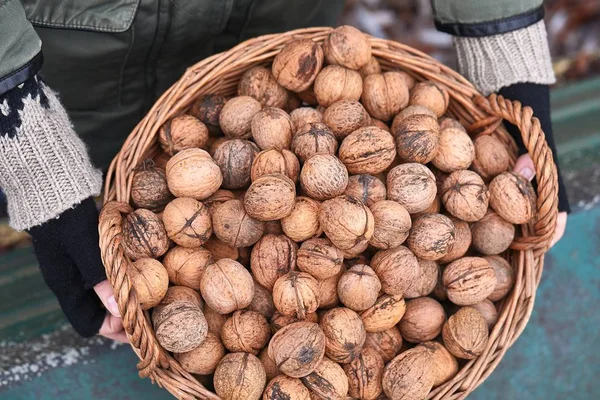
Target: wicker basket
[220, 74]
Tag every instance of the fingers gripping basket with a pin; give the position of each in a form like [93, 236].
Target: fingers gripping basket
[220, 74]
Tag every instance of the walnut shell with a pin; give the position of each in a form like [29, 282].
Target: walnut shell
[488, 311]
[465, 334]
[425, 282]
[380, 124]
[214, 320]
[392, 224]
[397, 269]
[203, 360]
[298, 348]
[179, 326]
[455, 150]
[407, 112]
[275, 161]
[412, 185]
[365, 374]
[144, 235]
[385, 343]
[187, 222]
[307, 96]
[182, 132]
[185, 266]
[335, 83]
[348, 223]
[348, 47]
[270, 197]
[297, 64]
[314, 138]
[246, 331]
[215, 143]
[323, 176]
[305, 115]
[513, 198]
[284, 387]
[505, 277]
[384, 95]
[431, 95]
[465, 196]
[417, 138]
[447, 122]
[491, 157]
[234, 158]
[366, 188]
[320, 258]
[262, 301]
[303, 222]
[270, 367]
[327, 381]
[272, 257]
[236, 116]
[358, 288]
[469, 280]
[368, 150]
[371, 67]
[232, 225]
[240, 376]
[408, 376]
[344, 117]
[149, 187]
[278, 320]
[220, 249]
[150, 280]
[492, 234]
[227, 286]
[431, 236]
[328, 295]
[259, 83]
[193, 173]
[444, 365]
[272, 128]
[218, 198]
[207, 109]
[344, 333]
[462, 241]
[296, 294]
[184, 293]
[422, 320]
[384, 314]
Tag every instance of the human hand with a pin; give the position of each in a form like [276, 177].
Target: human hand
[69, 257]
[525, 167]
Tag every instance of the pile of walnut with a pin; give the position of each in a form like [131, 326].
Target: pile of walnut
[326, 234]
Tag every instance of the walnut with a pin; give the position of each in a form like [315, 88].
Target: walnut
[259, 83]
[412, 185]
[465, 334]
[492, 234]
[513, 198]
[417, 138]
[368, 150]
[469, 280]
[455, 150]
[344, 117]
[348, 47]
[392, 224]
[272, 128]
[236, 116]
[431, 236]
[384, 95]
[314, 138]
[182, 132]
[335, 83]
[297, 64]
[465, 195]
[431, 95]
[366, 188]
[422, 320]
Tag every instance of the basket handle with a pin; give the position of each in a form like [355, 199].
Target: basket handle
[534, 139]
[135, 322]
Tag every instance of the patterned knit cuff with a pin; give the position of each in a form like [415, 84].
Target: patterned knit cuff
[44, 166]
[493, 62]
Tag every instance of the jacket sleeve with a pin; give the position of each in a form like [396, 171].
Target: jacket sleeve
[20, 46]
[498, 43]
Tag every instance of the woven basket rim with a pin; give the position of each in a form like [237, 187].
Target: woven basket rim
[219, 73]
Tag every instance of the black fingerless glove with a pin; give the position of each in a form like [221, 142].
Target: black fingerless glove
[69, 257]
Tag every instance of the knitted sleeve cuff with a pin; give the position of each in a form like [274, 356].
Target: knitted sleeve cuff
[44, 166]
[493, 62]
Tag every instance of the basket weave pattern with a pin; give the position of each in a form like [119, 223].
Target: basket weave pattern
[220, 74]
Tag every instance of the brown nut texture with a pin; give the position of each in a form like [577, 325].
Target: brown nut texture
[344, 333]
[236, 117]
[185, 265]
[323, 176]
[392, 224]
[274, 161]
[385, 343]
[305, 115]
[187, 222]
[431, 236]
[246, 331]
[296, 294]
[465, 195]
[344, 117]
[270, 197]
[234, 158]
[179, 326]
[469, 280]
[455, 150]
[150, 280]
[397, 268]
[348, 47]
[203, 360]
[384, 314]
[193, 173]
[492, 234]
[366, 188]
[417, 138]
[284, 387]
[443, 364]
[327, 381]
[385, 94]
[207, 109]
[513, 198]
[297, 348]
[368, 150]
[335, 83]
[359, 287]
[262, 301]
[320, 258]
[314, 138]
[412, 185]
[505, 277]
[425, 282]
[144, 235]
[365, 375]
[272, 257]
[182, 132]
[227, 286]
[233, 226]
[149, 187]
[303, 222]
[462, 241]
[408, 375]
[272, 128]
[431, 95]
[465, 334]
[422, 320]
[297, 64]
[372, 67]
[491, 157]
[240, 376]
[259, 83]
